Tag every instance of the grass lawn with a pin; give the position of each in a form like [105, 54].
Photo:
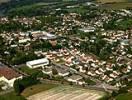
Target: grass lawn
[126, 96]
[116, 6]
[28, 70]
[37, 88]
[36, 5]
[77, 10]
[11, 96]
[108, 1]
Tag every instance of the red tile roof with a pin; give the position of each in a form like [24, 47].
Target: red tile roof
[8, 73]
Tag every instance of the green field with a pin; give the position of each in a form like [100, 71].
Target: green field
[63, 92]
[110, 1]
[28, 91]
[11, 96]
[28, 70]
[116, 6]
[126, 96]
[37, 88]
[36, 5]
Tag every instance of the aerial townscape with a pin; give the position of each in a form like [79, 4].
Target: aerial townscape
[65, 49]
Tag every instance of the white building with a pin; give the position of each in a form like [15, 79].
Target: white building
[24, 40]
[47, 70]
[9, 76]
[42, 35]
[75, 79]
[38, 63]
[88, 29]
[63, 73]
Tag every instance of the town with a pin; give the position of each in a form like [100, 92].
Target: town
[77, 45]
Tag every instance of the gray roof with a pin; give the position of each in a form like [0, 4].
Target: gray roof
[61, 70]
[75, 77]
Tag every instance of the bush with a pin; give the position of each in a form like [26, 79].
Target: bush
[90, 82]
[21, 84]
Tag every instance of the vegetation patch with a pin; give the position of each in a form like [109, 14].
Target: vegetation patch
[125, 96]
[11, 96]
[110, 1]
[37, 88]
[116, 6]
[28, 70]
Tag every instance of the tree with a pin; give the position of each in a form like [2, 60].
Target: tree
[42, 75]
[22, 57]
[114, 93]
[90, 82]
[54, 71]
[21, 84]
[18, 88]
[104, 54]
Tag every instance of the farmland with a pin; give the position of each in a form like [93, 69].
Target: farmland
[36, 89]
[116, 6]
[110, 1]
[125, 96]
[11, 96]
[67, 93]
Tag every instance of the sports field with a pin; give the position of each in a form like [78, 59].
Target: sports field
[67, 93]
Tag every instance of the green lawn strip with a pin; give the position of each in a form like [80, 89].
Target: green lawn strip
[37, 88]
[125, 96]
[31, 6]
[116, 6]
[28, 70]
[109, 1]
[11, 96]
[90, 82]
[77, 10]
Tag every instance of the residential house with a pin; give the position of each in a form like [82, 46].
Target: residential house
[8, 75]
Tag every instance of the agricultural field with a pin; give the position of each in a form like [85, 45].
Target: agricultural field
[110, 1]
[125, 96]
[67, 93]
[37, 88]
[116, 6]
[28, 70]
[11, 96]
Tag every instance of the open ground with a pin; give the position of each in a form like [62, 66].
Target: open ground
[67, 93]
